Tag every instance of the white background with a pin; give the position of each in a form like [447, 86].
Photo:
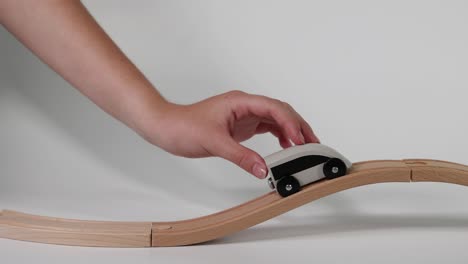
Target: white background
[375, 79]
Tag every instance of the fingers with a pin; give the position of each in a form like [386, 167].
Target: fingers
[290, 124]
[307, 131]
[273, 129]
[243, 157]
[281, 120]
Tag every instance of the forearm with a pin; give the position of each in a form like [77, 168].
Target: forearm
[66, 37]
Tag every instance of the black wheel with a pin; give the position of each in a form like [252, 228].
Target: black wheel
[334, 168]
[287, 186]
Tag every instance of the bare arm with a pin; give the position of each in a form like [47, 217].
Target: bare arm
[65, 36]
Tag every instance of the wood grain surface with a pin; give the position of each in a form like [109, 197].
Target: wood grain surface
[14, 225]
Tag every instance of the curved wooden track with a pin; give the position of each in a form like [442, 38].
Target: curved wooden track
[14, 225]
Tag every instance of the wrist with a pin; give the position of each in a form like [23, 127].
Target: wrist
[151, 124]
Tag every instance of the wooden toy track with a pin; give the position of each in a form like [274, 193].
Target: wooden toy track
[19, 226]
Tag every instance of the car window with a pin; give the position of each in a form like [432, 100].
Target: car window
[297, 165]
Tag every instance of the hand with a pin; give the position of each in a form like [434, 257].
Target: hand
[92, 63]
[215, 126]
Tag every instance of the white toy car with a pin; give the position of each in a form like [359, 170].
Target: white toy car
[296, 166]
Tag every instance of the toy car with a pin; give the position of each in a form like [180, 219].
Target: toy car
[296, 166]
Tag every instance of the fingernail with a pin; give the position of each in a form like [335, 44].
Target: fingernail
[259, 170]
[318, 140]
[301, 137]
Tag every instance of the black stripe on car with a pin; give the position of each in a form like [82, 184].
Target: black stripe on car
[297, 165]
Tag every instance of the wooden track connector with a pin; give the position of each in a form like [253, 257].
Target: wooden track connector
[19, 226]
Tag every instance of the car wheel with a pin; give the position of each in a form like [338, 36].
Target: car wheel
[334, 168]
[287, 186]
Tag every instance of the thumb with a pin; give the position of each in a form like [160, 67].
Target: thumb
[243, 157]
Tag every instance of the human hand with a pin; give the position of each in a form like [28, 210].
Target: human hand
[216, 125]
[92, 63]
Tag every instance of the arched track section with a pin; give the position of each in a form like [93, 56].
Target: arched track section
[26, 227]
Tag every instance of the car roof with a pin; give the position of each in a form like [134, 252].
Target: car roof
[297, 151]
